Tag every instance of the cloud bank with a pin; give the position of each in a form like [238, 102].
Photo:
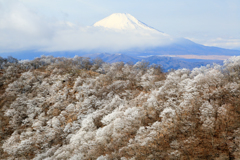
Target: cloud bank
[92, 38]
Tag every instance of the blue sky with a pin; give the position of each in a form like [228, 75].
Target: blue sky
[208, 22]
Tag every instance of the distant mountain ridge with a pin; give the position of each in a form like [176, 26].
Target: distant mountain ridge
[167, 63]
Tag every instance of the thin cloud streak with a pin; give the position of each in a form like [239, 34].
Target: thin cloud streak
[228, 43]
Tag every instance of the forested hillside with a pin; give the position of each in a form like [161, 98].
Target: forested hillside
[74, 108]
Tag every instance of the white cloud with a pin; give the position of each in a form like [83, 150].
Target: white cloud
[21, 28]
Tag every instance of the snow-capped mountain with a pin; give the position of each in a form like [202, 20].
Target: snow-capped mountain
[122, 21]
[166, 44]
[131, 32]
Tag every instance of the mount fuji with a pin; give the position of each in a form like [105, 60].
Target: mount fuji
[126, 23]
[165, 44]
[123, 21]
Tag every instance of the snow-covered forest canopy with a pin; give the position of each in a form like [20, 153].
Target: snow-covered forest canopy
[74, 108]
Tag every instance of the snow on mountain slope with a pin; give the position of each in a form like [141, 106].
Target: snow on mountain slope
[122, 21]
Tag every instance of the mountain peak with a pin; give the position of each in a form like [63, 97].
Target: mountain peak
[122, 21]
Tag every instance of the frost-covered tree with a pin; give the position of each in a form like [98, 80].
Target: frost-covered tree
[74, 108]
